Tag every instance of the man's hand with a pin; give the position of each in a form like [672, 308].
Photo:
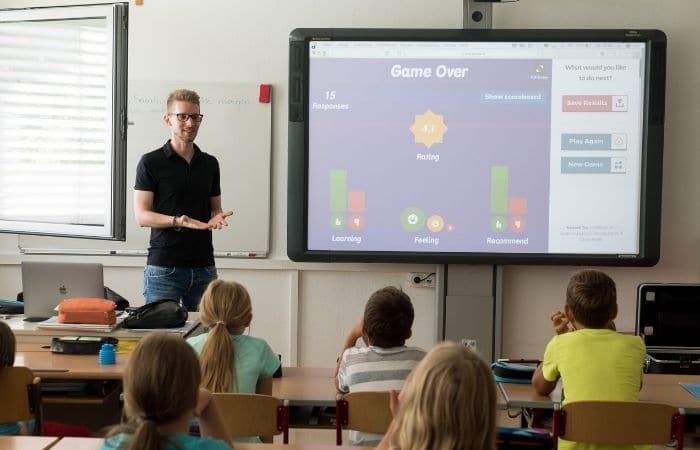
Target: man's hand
[218, 221]
[188, 222]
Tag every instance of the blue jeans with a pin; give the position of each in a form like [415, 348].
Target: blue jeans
[184, 284]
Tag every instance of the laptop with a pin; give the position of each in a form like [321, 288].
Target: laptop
[46, 284]
[668, 319]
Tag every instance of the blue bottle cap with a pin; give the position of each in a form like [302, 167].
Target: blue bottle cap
[107, 354]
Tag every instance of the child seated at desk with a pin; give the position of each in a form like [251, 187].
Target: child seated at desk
[230, 360]
[594, 361]
[448, 402]
[162, 394]
[386, 361]
[8, 347]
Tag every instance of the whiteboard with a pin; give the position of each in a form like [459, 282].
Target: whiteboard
[236, 130]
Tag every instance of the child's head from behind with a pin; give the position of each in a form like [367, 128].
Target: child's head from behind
[592, 298]
[449, 401]
[7, 346]
[161, 380]
[226, 303]
[388, 318]
[225, 309]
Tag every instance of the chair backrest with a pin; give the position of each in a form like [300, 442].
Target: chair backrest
[21, 396]
[619, 423]
[368, 412]
[253, 414]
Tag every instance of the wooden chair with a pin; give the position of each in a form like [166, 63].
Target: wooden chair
[21, 396]
[254, 415]
[368, 412]
[619, 423]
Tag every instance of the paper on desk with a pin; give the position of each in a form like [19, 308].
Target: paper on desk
[693, 388]
[53, 324]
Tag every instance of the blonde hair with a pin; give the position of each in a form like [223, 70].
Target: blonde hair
[449, 402]
[225, 309]
[8, 346]
[161, 384]
[182, 95]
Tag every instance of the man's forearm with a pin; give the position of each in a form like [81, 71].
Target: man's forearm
[154, 219]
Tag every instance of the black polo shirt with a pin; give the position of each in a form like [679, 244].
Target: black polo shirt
[180, 188]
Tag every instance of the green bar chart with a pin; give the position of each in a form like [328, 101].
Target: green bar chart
[499, 190]
[338, 190]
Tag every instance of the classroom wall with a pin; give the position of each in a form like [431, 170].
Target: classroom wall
[304, 309]
[530, 293]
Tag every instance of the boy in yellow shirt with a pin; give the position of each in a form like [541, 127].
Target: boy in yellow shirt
[592, 359]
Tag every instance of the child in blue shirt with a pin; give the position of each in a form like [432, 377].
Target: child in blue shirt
[230, 360]
[161, 396]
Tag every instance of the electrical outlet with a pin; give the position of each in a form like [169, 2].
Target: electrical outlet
[470, 344]
[422, 279]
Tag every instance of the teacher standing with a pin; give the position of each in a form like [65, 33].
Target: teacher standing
[178, 195]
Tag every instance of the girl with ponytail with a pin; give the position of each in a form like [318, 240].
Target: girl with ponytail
[230, 360]
[162, 394]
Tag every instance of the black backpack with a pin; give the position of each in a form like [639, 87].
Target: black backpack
[159, 314]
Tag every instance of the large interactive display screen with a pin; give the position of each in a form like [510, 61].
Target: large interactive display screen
[511, 146]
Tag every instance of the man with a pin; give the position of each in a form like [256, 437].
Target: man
[178, 195]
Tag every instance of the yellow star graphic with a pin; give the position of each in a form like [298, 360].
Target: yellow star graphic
[428, 128]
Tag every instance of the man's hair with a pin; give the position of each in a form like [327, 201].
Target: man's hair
[592, 297]
[8, 346]
[448, 402]
[388, 317]
[182, 95]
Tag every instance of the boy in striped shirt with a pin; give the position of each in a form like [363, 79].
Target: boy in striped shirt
[386, 361]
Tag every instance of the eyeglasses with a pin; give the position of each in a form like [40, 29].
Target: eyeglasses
[182, 117]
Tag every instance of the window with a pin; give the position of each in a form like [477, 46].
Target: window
[63, 78]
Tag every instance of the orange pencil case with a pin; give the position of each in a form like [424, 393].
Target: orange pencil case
[87, 310]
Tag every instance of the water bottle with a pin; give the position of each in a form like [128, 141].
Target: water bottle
[107, 354]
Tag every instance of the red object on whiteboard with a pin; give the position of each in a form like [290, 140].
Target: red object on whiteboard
[265, 91]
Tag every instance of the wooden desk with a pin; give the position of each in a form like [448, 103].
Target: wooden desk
[26, 442]
[29, 332]
[76, 388]
[656, 378]
[314, 386]
[299, 385]
[656, 388]
[50, 366]
[95, 443]
[306, 386]
[75, 443]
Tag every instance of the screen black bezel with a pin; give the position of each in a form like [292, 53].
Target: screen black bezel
[652, 145]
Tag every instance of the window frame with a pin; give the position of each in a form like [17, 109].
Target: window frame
[114, 226]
